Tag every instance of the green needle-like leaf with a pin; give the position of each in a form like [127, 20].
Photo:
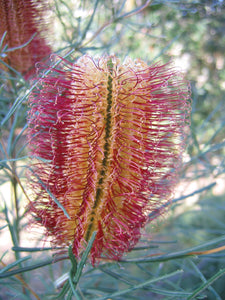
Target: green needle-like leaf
[141, 285]
[207, 284]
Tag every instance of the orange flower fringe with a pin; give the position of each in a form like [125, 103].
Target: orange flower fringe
[21, 20]
[108, 139]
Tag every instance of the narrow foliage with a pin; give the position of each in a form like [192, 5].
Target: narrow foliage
[22, 21]
[112, 134]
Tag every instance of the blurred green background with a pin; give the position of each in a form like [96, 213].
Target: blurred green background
[191, 33]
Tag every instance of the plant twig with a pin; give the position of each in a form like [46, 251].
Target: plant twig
[124, 16]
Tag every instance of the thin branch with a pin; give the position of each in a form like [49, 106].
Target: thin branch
[124, 16]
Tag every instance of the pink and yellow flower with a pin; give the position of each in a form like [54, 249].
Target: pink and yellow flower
[108, 139]
[23, 22]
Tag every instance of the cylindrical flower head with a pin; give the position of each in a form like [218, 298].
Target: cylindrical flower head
[108, 137]
[21, 20]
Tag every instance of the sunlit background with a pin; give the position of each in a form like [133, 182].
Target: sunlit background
[191, 33]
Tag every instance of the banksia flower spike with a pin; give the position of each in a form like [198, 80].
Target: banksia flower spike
[108, 139]
[23, 24]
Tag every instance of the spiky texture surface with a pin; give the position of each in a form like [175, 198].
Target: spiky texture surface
[21, 20]
[113, 134]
